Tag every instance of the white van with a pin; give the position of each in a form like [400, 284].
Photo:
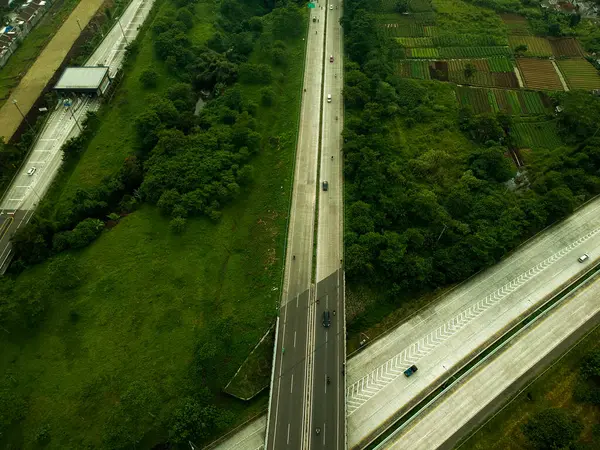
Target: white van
[328, 98]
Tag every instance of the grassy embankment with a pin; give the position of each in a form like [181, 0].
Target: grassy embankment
[554, 389]
[148, 297]
[32, 46]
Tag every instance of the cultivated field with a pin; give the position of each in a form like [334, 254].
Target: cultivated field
[565, 47]
[517, 25]
[539, 74]
[513, 102]
[536, 135]
[579, 73]
[536, 46]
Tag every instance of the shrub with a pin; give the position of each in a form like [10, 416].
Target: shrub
[267, 96]
[553, 428]
[149, 78]
[177, 225]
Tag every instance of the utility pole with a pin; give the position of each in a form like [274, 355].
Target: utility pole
[22, 115]
[121, 27]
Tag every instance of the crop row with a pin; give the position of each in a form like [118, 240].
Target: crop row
[415, 41]
[397, 30]
[536, 135]
[457, 52]
[494, 100]
[454, 71]
[579, 73]
[467, 40]
[539, 73]
[517, 25]
[536, 46]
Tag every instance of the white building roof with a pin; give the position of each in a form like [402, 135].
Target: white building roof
[81, 78]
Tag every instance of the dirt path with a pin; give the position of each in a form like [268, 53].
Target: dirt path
[38, 75]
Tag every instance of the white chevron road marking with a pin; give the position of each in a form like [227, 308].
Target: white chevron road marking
[368, 386]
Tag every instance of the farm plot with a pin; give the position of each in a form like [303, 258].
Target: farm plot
[510, 101]
[473, 52]
[517, 25]
[475, 98]
[536, 46]
[536, 135]
[539, 74]
[468, 40]
[404, 28]
[579, 74]
[500, 64]
[415, 41]
[565, 47]
[423, 52]
[533, 102]
[483, 76]
[414, 69]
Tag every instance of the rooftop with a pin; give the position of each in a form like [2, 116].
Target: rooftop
[81, 78]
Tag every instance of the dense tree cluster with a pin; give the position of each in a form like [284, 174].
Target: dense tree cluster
[419, 219]
[186, 164]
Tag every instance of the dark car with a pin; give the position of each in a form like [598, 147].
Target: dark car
[326, 319]
[412, 369]
[325, 185]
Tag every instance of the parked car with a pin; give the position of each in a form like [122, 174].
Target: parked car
[412, 369]
[583, 257]
[31, 171]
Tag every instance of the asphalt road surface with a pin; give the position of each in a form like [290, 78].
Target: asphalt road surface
[64, 122]
[328, 402]
[305, 408]
[289, 386]
[475, 397]
[456, 327]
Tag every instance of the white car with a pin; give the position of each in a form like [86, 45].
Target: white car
[31, 171]
[328, 98]
[330, 6]
[583, 257]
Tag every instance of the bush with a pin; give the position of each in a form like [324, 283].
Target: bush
[267, 96]
[177, 225]
[256, 73]
[552, 429]
[149, 78]
[85, 233]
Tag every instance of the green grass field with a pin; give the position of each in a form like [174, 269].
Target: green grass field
[32, 45]
[147, 297]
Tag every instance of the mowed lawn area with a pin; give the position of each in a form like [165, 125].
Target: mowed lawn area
[149, 299]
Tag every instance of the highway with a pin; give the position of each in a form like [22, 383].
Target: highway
[289, 386]
[25, 191]
[305, 409]
[467, 404]
[328, 403]
[456, 327]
